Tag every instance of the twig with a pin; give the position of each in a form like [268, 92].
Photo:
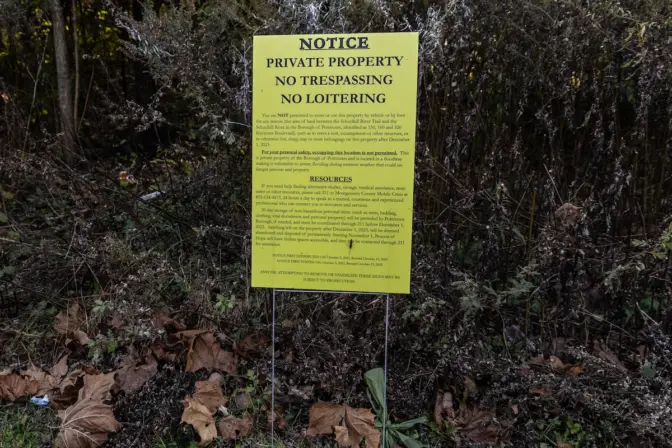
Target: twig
[86, 100]
[37, 81]
[554, 186]
[646, 315]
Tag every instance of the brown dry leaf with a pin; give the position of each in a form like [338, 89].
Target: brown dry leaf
[60, 369]
[443, 406]
[276, 418]
[323, 417]
[14, 386]
[563, 445]
[557, 365]
[198, 416]
[350, 425]
[568, 214]
[254, 344]
[79, 336]
[479, 426]
[541, 391]
[86, 424]
[303, 392]
[66, 390]
[97, 387]
[604, 353]
[70, 321]
[516, 409]
[160, 352]
[232, 428]
[69, 324]
[209, 394]
[162, 319]
[360, 424]
[43, 380]
[343, 437]
[574, 370]
[116, 323]
[131, 377]
[205, 353]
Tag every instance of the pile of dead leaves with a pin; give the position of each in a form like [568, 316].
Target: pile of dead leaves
[82, 394]
[200, 410]
[350, 425]
[476, 424]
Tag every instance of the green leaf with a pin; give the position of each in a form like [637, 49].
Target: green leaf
[407, 441]
[409, 423]
[519, 235]
[8, 270]
[375, 389]
[648, 371]
[7, 196]
[3, 218]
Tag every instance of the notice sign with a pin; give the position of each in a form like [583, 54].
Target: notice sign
[333, 148]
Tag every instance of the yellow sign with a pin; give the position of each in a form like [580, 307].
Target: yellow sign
[333, 148]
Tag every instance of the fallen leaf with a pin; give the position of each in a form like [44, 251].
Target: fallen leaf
[541, 391]
[568, 214]
[515, 409]
[97, 387]
[254, 344]
[350, 425]
[557, 365]
[209, 394]
[116, 323]
[79, 336]
[60, 369]
[86, 424]
[162, 319]
[198, 416]
[231, 428]
[360, 425]
[205, 353]
[66, 390]
[13, 387]
[604, 353]
[276, 418]
[480, 426]
[303, 392]
[243, 400]
[43, 380]
[70, 321]
[69, 324]
[470, 385]
[443, 406]
[574, 370]
[160, 352]
[323, 417]
[131, 377]
[563, 445]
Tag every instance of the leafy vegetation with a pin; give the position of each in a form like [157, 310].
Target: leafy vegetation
[542, 224]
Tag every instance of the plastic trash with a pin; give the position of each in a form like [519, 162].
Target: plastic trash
[40, 401]
[149, 196]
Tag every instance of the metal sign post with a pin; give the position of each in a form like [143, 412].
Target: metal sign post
[387, 327]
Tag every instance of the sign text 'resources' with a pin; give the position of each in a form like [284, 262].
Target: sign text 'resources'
[333, 148]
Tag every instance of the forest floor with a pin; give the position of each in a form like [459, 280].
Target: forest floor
[136, 319]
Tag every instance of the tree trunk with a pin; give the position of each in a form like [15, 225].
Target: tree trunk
[64, 81]
[75, 40]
